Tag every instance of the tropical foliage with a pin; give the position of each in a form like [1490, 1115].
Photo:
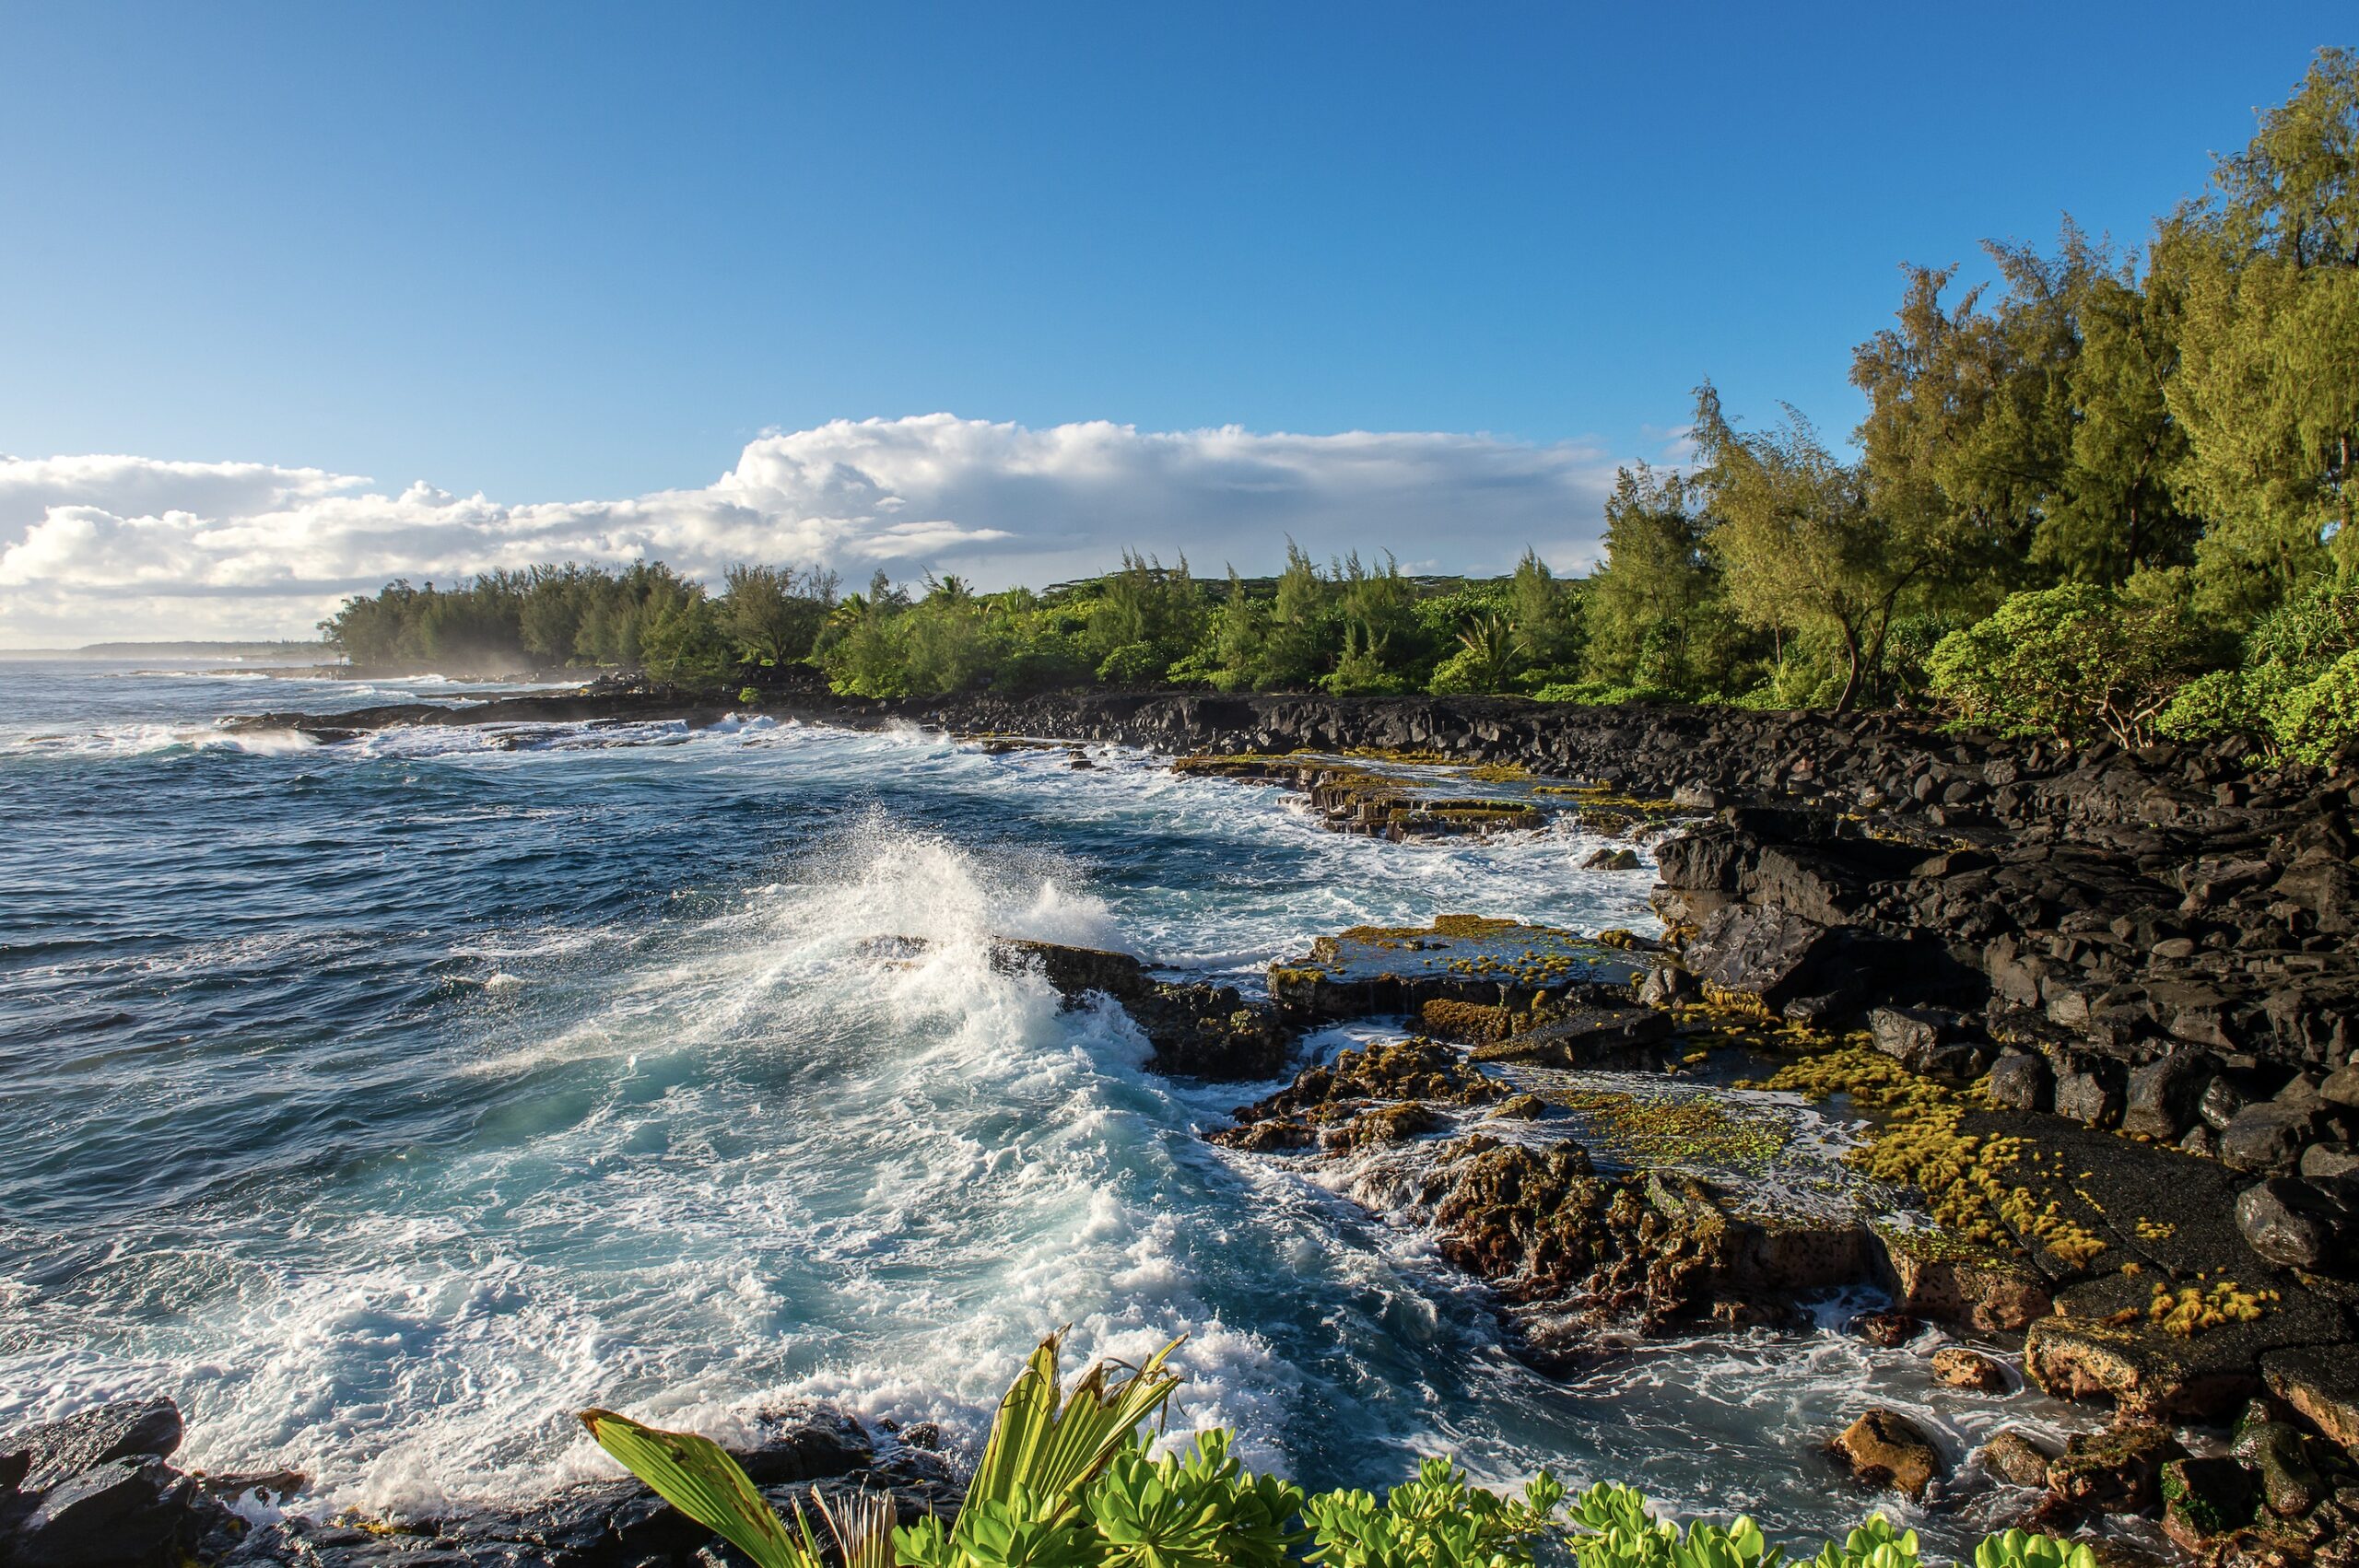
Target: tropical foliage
[1067, 1480]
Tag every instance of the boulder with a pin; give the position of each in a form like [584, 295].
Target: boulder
[1611, 861]
[1963, 1368]
[57, 1451]
[1886, 1330]
[1757, 958]
[1925, 1040]
[2292, 1222]
[2290, 1483]
[2020, 1080]
[2323, 1385]
[2162, 1094]
[122, 1513]
[2012, 1456]
[2204, 1498]
[1886, 1449]
[2268, 1138]
[2118, 1470]
[2341, 1087]
[2325, 1161]
[2085, 1090]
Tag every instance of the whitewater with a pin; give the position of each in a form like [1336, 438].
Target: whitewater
[385, 1103]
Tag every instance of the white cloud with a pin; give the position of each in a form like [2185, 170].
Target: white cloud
[110, 547]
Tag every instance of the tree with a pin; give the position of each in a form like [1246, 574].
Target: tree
[2267, 381]
[1545, 617]
[1300, 628]
[771, 616]
[1805, 545]
[1656, 614]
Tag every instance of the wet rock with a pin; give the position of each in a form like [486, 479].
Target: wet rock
[2290, 1222]
[122, 1513]
[806, 1442]
[2204, 1498]
[2290, 1483]
[1989, 1294]
[2019, 1081]
[2012, 1456]
[2102, 1342]
[1886, 1330]
[55, 1451]
[1586, 1036]
[1963, 1368]
[2118, 1470]
[2268, 1138]
[1885, 1449]
[2162, 1094]
[1386, 1124]
[1611, 861]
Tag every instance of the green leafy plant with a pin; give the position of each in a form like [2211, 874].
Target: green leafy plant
[1066, 1481]
[2015, 1549]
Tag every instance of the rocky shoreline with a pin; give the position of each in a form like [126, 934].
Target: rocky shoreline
[2097, 1007]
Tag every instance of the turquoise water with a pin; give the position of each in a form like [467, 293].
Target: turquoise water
[384, 1103]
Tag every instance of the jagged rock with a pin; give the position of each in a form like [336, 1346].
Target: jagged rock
[2086, 1090]
[57, 1451]
[1667, 987]
[2268, 1138]
[1760, 957]
[2204, 1498]
[2163, 1093]
[2290, 1483]
[2118, 1470]
[1963, 1368]
[2012, 1456]
[2323, 1385]
[2290, 1222]
[1886, 1449]
[121, 1513]
[1987, 1294]
[2020, 1080]
[1925, 1040]
[1385, 1124]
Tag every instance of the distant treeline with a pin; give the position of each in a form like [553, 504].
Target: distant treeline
[2072, 499]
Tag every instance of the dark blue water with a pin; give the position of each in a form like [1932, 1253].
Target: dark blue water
[387, 1102]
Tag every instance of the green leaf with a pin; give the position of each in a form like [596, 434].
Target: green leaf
[694, 1475]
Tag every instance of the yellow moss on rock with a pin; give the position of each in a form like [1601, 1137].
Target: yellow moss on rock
[1963, 1176]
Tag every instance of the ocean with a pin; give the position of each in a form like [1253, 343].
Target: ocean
[385, 1103]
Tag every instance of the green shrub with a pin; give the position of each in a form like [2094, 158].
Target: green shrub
[2065, 661]
[2316, 721]
[1066, 1481]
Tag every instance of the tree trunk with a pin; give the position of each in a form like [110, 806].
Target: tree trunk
[1851, 678]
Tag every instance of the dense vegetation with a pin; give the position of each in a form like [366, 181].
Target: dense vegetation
[2114, 496]
[1066, 1481]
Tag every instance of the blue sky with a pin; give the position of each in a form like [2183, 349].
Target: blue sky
[554, 252]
